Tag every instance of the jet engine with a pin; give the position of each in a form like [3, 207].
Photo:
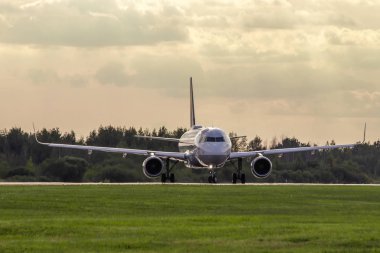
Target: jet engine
[153, 166]
[261, 167]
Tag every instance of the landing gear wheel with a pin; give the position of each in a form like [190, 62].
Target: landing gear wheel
[171, 178]
[238, 174]
[242, 178]
[234, 178]
[167, 175]
[210, 179]
[163, 178]
[214, 179]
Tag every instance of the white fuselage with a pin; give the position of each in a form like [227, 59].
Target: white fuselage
[207, 147]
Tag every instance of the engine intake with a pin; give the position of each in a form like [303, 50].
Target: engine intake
[261, 167]
[153, 166]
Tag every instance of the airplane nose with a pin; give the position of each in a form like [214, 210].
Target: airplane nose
[215, 160]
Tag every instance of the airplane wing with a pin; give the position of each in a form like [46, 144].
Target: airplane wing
[235, 155]
[157, 138]
[124, 151]
[162, 139]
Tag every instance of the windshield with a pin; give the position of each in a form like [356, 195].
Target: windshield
[214, 139]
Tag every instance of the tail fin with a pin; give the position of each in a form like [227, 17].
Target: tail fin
[192, 112]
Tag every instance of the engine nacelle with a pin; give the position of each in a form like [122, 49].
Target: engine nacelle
[261, 167]
[153, 166]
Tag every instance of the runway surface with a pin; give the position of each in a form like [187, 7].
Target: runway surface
[158, 183]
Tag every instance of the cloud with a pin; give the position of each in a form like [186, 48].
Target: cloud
[364, 95]
[49, 77]
[76, 80]
[340, 20]
[34, 4]
[268, 18]
[113, 73]
[169, 73]
[259, 58]
[344, 36]
[43, 76]
[89, 24]
[7, 8]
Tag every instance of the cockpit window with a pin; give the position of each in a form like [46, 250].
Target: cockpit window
[219, 139]
[210, 139]
[214, 139]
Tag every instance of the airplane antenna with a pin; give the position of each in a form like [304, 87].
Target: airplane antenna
[192, 111]
[365, 130]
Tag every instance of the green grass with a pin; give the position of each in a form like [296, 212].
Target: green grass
[177, 218]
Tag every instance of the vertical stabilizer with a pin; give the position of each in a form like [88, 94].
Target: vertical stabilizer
[192, 112]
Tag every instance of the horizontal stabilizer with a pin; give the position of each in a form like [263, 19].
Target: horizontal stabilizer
[237, 137]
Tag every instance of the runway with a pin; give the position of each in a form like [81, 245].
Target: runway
[168, 184]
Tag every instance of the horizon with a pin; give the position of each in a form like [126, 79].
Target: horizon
[267, 68]
[265, 142]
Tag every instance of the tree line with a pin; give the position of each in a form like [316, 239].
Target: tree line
[23, 159]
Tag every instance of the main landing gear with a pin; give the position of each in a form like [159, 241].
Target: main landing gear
[238, 175]
[168, 175]
[212, 179]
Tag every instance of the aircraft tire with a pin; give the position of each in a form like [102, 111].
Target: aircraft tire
[234, 178]
[163, 178]
[172, 178]
[242, 178]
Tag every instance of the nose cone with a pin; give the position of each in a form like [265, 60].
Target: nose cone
[213, 154]
[212, 160]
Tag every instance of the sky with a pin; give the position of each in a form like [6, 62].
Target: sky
[308, 69]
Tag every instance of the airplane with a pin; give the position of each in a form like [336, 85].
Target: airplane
[200, 148]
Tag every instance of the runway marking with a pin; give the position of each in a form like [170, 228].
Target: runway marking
[158, 183]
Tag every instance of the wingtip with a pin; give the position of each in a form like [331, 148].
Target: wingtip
[35, 135]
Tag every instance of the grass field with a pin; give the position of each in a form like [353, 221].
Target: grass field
[177, 218]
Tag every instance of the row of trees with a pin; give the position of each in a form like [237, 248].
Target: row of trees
[23, 159]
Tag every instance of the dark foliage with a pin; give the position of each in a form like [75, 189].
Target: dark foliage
[67, 169]
[19, 172]
[22, 158]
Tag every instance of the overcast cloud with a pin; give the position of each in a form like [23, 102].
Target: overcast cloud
[303, 68]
